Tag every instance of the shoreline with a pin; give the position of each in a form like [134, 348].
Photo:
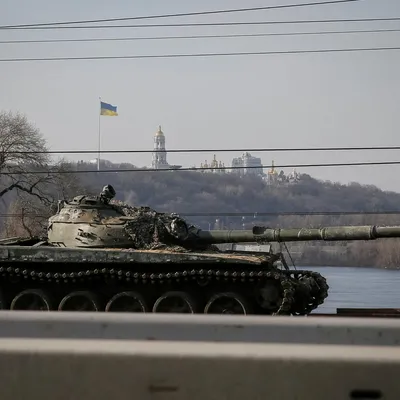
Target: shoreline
[308, 265]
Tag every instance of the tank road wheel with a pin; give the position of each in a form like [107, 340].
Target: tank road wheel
[175, 302]
[32, 300]
[128, 302]
[79, 301]
[227, 303]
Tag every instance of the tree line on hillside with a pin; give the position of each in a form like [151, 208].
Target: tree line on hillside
[30, 198]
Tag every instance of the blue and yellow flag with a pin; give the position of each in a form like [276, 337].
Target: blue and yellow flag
[108, 110]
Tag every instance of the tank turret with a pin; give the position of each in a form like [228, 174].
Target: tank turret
[97, 222]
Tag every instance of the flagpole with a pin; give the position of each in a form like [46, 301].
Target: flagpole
[98, 156]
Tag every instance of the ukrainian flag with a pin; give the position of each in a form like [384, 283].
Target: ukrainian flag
[108, 110]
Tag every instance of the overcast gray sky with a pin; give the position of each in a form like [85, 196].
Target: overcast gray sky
[331, 99]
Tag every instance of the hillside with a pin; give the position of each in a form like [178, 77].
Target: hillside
[197, 192]
[187, 192]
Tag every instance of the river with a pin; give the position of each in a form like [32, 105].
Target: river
[359, 287]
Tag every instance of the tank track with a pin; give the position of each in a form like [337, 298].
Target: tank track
[301, 291]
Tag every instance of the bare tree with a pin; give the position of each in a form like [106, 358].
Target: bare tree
[31, 181]
[23, 153]
[28, 216]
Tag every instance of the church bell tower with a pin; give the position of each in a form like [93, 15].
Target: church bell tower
[159, 158]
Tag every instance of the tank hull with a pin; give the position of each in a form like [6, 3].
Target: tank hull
[72, 279]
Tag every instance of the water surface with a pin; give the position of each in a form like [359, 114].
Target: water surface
[359, 288]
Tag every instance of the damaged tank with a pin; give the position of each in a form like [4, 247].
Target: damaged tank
[103, 255]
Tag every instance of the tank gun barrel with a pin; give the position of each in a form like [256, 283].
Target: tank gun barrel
[339, 233]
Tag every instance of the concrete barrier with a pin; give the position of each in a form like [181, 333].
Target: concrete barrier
[104, 370]
[96, 356]
[209, 328]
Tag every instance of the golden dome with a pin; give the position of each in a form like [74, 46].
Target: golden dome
[159, 132]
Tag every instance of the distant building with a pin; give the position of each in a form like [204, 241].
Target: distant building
[215, 166]
[294, 176]
[274, 177]
[159, 156]
[103, 163]
[247, 165]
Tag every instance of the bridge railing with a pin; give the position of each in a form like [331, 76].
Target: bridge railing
[121, 356]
